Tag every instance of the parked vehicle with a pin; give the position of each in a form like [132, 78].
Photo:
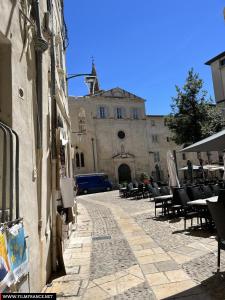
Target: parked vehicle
[92, 183]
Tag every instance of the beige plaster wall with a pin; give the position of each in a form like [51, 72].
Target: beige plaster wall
[20, 113]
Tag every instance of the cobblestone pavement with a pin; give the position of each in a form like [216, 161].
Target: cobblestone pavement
[120, 251]
[110, 250]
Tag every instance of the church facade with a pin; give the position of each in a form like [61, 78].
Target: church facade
[111, 133]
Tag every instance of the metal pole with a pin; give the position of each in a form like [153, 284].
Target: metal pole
[77, 75]
[93, 151]
[175, 160]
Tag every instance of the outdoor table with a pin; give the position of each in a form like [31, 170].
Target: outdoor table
[202, 202]
[164, 199]
[201, 205]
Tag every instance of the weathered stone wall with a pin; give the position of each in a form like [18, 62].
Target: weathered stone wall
[18, 75]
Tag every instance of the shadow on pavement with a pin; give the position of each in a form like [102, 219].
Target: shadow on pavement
[212, 288]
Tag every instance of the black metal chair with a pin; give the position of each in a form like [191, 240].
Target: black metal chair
[217, 210]
[188, 212]
[139, 193]
[164, 190]
[195, 192]
[215, 188]
[175, 206]
[221, 196]
[207, 191]
[158, 202]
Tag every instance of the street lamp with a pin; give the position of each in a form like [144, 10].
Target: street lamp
[90, 80]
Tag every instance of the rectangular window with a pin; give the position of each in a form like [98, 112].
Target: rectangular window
[135, 113]
[102, 112]
[156, 157]
[155, 138]
[119, 113]
[165, 122]
[184, 156]
[167, 139]
[153, 122]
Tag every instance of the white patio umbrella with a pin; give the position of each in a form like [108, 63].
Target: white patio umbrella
[193, 166]
[173, 179]
[212, 168]
[215, 142]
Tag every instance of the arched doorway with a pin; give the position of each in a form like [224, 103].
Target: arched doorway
[124, 173]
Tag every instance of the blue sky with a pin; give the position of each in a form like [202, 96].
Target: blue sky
[144, 46]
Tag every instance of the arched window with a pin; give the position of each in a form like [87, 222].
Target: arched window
[82, 159]
[82, 120]
[77, 160]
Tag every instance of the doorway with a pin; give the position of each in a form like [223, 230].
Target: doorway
[124, 173]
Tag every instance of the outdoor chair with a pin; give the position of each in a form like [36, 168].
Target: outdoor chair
[217, 211]
[148, 190]
[207, 191]
[215, 188]
[188, 212]
[175, 205]
[164, 190]
[155, 185]
[139, 193]
[221, 196]
[158, 202]
[195, 192]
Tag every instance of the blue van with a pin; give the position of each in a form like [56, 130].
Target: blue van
[92, 183]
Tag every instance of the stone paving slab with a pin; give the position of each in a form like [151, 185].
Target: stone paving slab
[148, 257]
[145, 257]
[64, 288]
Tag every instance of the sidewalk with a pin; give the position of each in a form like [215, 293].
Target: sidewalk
[77, 261]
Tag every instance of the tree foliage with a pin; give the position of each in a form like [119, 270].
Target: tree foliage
[193, 115]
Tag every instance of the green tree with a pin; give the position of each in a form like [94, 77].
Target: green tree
[193, 115]
[214, 121]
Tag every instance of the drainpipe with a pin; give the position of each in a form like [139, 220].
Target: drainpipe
[40, 46]
[93, 153]
[53, 146]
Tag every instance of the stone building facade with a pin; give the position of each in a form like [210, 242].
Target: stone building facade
[217, 65]
[112, 133]
[34, 104]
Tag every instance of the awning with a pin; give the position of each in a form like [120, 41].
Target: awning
[215, 142]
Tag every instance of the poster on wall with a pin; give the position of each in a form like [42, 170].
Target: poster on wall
[17, 251]
[6, 276]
